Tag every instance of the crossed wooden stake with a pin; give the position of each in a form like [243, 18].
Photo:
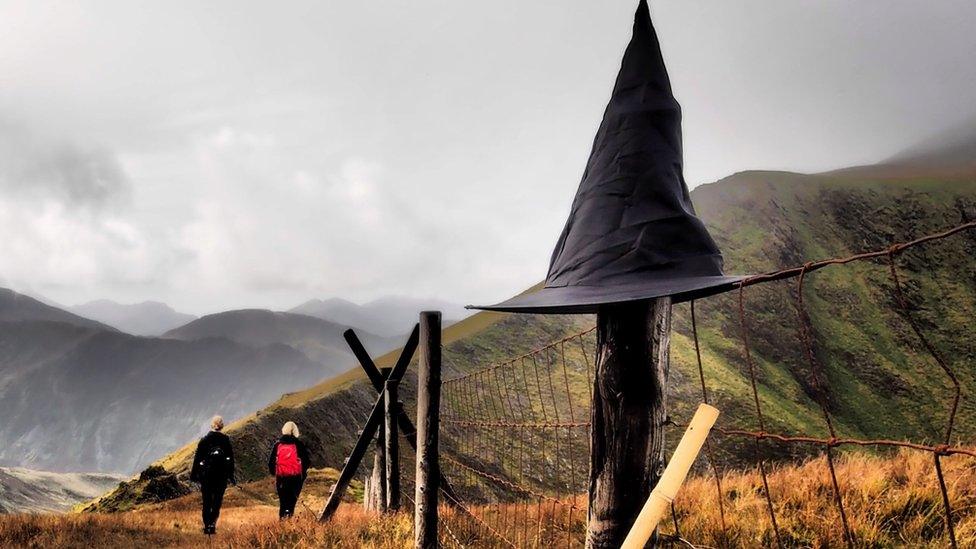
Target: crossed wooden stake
[376, 416]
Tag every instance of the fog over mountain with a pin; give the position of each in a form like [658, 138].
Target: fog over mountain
[149, 318]
[29, 491]
[319, 339]
[389, 315]
[951, 151]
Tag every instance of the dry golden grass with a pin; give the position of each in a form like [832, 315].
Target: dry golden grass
[890, 502]
[253, 526]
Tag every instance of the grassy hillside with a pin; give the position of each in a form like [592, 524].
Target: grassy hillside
[881, 382]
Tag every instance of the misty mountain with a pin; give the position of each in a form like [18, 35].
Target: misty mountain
[954, 149]
[149, 318]
[320, 340]
[390, 315]
[104, 401]
[15, 307]
[950, 154]
[29, 491]
[79, 395]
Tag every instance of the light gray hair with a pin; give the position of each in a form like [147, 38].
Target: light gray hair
[289, 428]
[217, 423]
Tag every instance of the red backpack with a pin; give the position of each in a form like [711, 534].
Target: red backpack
[287, 462]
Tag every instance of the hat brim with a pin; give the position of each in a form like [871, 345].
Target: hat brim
[588, 299]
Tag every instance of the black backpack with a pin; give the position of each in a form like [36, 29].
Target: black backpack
[215, 464]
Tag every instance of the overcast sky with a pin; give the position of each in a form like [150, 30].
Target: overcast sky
[227, 154]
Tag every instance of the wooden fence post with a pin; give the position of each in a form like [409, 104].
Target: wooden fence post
[392, 477]
[378, 486]
[628, 415]
[428, 409]
[373, 496]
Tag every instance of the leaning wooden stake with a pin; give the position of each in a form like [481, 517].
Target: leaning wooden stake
[428, 408]
[674, 475]
[628, 415]
[392, 446]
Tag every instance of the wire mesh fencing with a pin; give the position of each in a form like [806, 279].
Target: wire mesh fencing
[516, 432]
[516, 450]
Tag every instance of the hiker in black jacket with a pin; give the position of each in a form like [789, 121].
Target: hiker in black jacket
[289, 464]
[213, 468]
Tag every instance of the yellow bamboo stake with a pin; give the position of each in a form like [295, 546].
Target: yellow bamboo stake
[672, 478]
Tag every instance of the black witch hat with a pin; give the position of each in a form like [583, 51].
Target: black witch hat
[632, 233]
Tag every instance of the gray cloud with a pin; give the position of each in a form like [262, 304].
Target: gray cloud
[276, 152]
[35, 167]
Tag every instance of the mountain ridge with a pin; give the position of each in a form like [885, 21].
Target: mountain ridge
[147, 318]
[15, 306]
[321, 340]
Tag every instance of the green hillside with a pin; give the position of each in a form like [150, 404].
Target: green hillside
[881, 382]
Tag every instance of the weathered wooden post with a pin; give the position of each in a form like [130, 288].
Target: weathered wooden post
[392, 447]
[628, 415]
[374, 489]
[428, 472]
[631, 247]
[375, 496]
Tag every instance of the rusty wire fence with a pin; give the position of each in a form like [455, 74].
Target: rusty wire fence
[516, 433]
[517, 447]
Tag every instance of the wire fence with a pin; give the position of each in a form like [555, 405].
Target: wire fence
[516, 448]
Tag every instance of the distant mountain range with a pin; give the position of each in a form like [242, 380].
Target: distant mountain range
[149, 318]
[320, 340]
[391, 315]
[28, 491]
[80, 395]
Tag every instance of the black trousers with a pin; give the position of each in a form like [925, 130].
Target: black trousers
[288, 490]
[213, 497]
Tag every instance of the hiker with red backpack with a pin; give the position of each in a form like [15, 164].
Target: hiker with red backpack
[289, 464]
[213, 468]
